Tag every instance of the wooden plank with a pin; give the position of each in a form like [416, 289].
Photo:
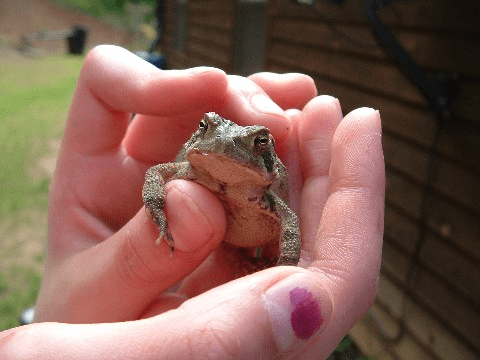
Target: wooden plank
[213, 21]
[395, 261]
[411, 122]
[350, 12]
[458, 229]
[213, 55]
[219, 7]
[436, 336]
[405, 194]
[457, 226]
[400, 230]
[466, 98]
[218, 38]
[177, 60]
[460, 141]
[424, 327]
[459, 318]
[459, 272]
[374, 76]
[428, 49]
[454, 264]
[444, 302]
[406, 157]
[457, 268]
[196, 58]
[406, 347]
[390, 296]
[442, 17]
[370, 344]
[457, 184]
[452, 181]
[355, 40]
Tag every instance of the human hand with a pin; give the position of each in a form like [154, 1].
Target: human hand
[103, 265]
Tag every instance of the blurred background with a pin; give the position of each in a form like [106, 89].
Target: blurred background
[415, 61]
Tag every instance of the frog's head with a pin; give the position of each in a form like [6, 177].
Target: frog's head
[248, 146]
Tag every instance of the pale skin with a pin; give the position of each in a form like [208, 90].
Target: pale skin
[106, 276]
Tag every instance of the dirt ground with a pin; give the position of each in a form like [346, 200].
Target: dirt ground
[19, 18]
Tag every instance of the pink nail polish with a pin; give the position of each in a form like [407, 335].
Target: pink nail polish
[306, 318]
[298, 309]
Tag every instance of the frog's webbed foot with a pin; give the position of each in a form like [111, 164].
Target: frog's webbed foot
[169, 241]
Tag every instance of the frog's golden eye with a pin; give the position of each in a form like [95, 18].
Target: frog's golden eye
[203, 125]
[261, 141]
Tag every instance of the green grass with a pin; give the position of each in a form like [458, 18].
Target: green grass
[34, 98]
[102, 7]
[16, 294]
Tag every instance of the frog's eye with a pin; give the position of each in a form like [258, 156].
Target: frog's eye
[261, 141]
[203, 126]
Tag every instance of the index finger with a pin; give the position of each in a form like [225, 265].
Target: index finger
[115, 83]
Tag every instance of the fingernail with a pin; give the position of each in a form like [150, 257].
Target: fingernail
[339, 107]
[298, 309]
[200, 69]
[182, 206]
[264, 104]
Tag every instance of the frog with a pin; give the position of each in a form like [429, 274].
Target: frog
[238, 164]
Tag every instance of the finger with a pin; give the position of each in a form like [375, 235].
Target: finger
[348, 242]
[153, 139]
[114, 83]
[279, 313]
[289, 91]
[157, 139]
[247, 104]
[119, 278]
[316, 127]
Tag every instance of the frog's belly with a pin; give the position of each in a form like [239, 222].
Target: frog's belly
[251, 226]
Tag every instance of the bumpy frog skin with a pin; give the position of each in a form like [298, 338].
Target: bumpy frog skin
[239, 165]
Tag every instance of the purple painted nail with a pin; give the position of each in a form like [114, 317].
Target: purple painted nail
[298, 309]
[306, 317]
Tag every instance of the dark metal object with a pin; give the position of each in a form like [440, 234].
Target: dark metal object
[436, 90]
[75, 37]
[76, 40]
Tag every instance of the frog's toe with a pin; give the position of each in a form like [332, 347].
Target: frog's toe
[170, 242]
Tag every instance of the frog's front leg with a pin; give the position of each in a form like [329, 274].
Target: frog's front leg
[290, 241]
[154, 196]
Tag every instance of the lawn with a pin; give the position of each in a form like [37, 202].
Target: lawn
[101, 7]
[34, 98]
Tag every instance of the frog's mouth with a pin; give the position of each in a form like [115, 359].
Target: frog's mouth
[225, 169]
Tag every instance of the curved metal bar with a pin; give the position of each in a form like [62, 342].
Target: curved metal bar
[436, 90]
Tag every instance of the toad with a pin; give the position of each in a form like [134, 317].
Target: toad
[240, 166]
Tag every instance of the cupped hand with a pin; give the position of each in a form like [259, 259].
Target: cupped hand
[103, 265]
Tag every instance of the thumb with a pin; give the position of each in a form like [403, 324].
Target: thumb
[117, 279]
[271, 314]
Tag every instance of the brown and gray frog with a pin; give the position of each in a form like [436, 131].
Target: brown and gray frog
[240, 166]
